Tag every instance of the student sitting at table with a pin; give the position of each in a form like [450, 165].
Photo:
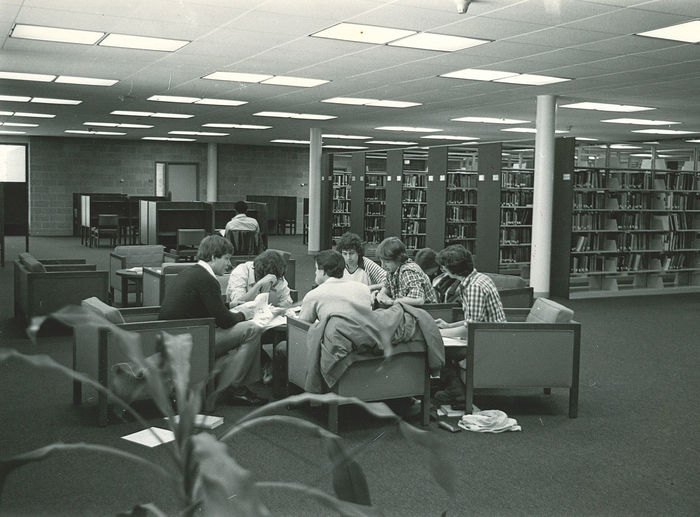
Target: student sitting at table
[241, 221]
[196, 293]
[264, 274]
[405, 281]
[357, 266]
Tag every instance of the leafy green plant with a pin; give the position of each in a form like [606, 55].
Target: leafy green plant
[204, 474]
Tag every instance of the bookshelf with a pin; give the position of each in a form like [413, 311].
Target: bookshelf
[414, 199]
[340, 201]
[635, 221]
[461, 197]
[374, 213]
[517, 189]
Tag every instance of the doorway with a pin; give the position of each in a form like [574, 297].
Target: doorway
[180, 179]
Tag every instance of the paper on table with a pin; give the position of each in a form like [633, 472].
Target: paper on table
[147, 438]
[450, 341]
[204, 421]
[264, 315]
[136, 269]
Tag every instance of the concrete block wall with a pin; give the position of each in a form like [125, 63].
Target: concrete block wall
[58, 167]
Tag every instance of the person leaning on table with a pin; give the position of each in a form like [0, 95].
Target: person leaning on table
[196, 293]
[480, 302]
[405, 280]
[264, 274]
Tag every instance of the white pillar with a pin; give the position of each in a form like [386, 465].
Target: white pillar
[315, 146]
[212, 172]
[541, 250]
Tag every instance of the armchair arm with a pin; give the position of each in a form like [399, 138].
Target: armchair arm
[49, 262]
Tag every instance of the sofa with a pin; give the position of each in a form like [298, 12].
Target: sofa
[125, 257]
[42, 286]
[96, 351]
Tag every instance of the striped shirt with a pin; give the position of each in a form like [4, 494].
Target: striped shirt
[369, 273]
[480, 299]
[410, 281]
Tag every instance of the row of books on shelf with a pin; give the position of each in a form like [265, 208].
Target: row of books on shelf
[460, 213]
[513, 255]
[341, 192]
[513, 179]
[635, 221]
[413, 196]
[341, 205]
[516, 198]
[518, 216]
[376, 210]
[341, 180]
[414, 242]
[375, 180]
[414, 211]
[518, 236]
[613, 179]
[462, 179]
[460, 231]
[461, 197]
[375, 195]
[374, 235]
[411, 179]
[595, 243]
[682, 180]
[651, 200]
[374, 222]
[631, 262]
[341, 220]
[409, 227]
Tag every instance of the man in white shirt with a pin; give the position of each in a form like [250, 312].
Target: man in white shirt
[265, 274]
[241, 221]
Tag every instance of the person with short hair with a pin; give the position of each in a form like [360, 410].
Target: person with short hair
[196, 293]
[426, 259]
[480, 302]
[241, 221]
[405, 281]
[334, 292]
[264, 274]
[357, 266]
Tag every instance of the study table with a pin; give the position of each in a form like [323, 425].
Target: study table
[131, 274]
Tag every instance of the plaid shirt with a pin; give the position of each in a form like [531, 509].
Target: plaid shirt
[480, 299]
[410, 281]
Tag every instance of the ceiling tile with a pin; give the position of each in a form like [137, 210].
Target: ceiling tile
[627, 21]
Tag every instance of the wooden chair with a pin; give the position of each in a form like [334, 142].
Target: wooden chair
[187, 243]
[107, 226]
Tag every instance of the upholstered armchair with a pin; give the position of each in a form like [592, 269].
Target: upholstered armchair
[125, 257]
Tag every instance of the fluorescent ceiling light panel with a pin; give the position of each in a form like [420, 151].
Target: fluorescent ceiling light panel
[694, 141]
[530, 130]
[18, 124]
[408, 129]
[686, 32]
[88, 81]
[6, 113]
[287, 141]
[450, 137]
[640, 121]
[664, 131]
[491, 120]
[168, 139]
[220, 102]
[623, 146]
[346, 137]
[236, 126]
[3, 132]
[363, 33]
[88, 132]
[390, 142]
[172, 98]
[115, 124]
[132, 113]
[49, 100]
[171, 115]
[142, 42]
[476, 74]
[135, 126]
[442, 42]
[585, 139]
[43, 33]
[302, 82]
[531, 79]
[285, 114]
[603, 106]
[14, 98]
[379, 103]
[21, 76]
[237, 77]
[344, 147]
[33, 115]
[197, 133]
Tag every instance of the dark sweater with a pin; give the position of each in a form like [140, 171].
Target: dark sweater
[195, 293]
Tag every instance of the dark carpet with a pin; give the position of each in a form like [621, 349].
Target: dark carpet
[633, 450]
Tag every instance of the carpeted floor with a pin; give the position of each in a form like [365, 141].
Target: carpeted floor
[632, 451]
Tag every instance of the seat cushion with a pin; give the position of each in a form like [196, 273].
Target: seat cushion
[506, 281]
[108, 312]
[31, 264]
[547, 311]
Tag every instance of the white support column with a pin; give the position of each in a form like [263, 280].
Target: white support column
[212, 172]
[541, 250]
[315, 147]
